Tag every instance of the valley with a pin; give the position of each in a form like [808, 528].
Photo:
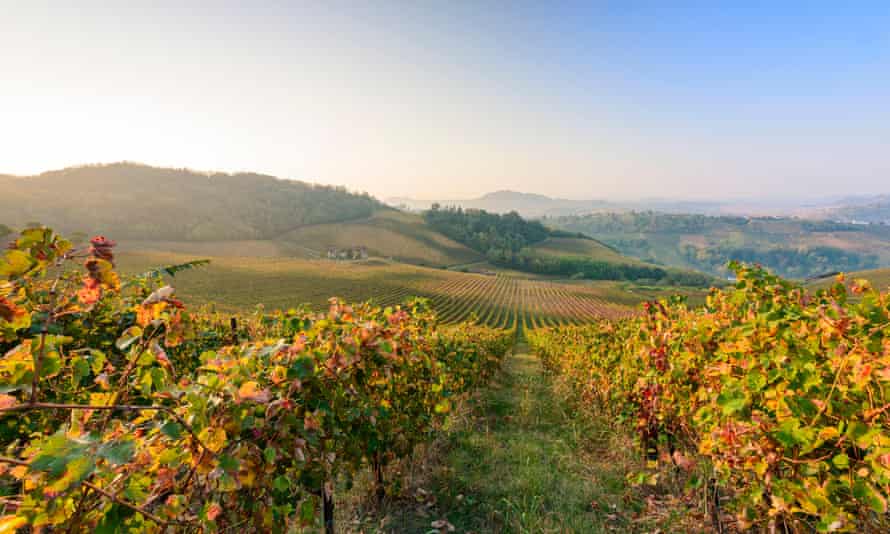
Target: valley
[431, 351]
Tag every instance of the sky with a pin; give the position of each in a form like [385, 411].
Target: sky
[436, 99]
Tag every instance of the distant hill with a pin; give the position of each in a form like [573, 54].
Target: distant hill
[526, 204]
[874, 209]
[790, 247]
[534, 206]
[133, 201]
[219, 214]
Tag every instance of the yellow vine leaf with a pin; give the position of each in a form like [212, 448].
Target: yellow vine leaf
[10, 523]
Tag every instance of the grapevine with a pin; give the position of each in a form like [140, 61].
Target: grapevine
[780, 395]
[122, 409]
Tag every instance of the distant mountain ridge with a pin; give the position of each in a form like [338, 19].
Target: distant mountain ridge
[864, 208]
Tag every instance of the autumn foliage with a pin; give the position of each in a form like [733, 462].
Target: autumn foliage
[121, 409]
[781, 396]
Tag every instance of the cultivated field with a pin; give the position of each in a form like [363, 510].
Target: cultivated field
[233, 283]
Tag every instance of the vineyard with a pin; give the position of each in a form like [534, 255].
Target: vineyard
[770, 404]
[507, 302]
[122, 410]
[496, 301]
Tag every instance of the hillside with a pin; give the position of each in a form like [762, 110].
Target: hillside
[574, 246]
[791, 247]
[875, 209]
[135, 201]
[510, 241]
[387, 233]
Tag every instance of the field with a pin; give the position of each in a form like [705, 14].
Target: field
[570, 246]
[388, 233]
[236, 283]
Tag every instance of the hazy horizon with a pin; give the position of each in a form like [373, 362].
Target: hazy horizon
[456, 100]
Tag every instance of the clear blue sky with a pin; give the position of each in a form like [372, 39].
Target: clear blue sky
[432, 99]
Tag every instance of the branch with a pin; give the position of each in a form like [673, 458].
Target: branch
[130, 505]
[107, 494]
[13, 461]
[130, 407]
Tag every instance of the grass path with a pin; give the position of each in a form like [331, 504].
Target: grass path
[522, 463]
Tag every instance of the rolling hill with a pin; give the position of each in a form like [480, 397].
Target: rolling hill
[576, 246]
[253, 215]
[135, 201]
[789, 246]
[218, 214]
[388, 233]
[512, 242]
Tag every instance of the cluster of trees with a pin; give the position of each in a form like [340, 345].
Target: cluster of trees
[497, 236]
[829, 226]
[646, 222]
[142, 202]
[591, 269]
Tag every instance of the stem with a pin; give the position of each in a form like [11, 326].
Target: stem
[715, 507]
[107, 494]
[44, 330]
[328, 504]
[379, 482]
